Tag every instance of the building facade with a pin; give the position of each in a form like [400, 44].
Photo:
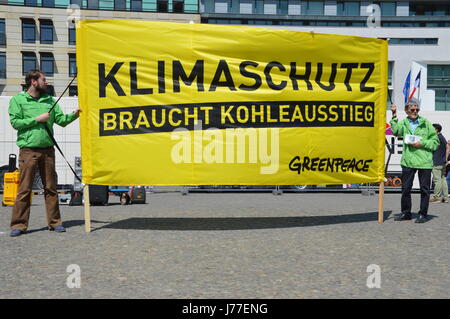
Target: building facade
[40, 34]
[418, 33]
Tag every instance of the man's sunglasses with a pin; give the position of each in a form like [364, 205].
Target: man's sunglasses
[414, 110]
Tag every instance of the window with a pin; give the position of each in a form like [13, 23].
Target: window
[51, 90]
[2, 65]
[439, 80]
[259, 6]
[428, 9]
[120, 5]
[350, 8]
[31, 2]
[2, 32]
[246, 7]
[283, 7]
[29, 62]
[438, 75]
[312, 7]
[387, 8]
[390, 69]
[162, 6]
[48, 3]
[77, 2]
[136, 5]
[270, 7]
[46, 31]
[28, 31]
[72, 37]
[72, 64]
[178, 6]
[73, 90]
[92, 4]
[442, 99]
[413, 41]
[220, 6]
[48, 64]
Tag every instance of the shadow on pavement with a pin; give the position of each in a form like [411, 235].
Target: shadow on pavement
[236, 223]
[66, 224]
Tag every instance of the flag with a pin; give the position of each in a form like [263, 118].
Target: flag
[406, 86]
[416, 85]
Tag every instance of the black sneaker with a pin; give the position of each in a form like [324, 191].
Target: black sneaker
[403, 216]
[421, 219]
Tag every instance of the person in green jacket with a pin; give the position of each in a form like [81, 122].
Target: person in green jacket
[29, 114]
[419, 142]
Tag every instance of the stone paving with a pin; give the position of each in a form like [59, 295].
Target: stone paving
[230, 245]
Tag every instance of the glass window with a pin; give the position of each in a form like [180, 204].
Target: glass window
[162, 6]
[312, 7]
[120, 5]
[442, 100]
[31, 2]
[270, 7]
[46, 32]
[92, 4]
[387, 8]
[136, 5]
[29, 62]
[246, 7]
[350, 8]
[438, 75]
[390, 68]
[73, 90]
[72, 36]
[259, 6]
[72, 64]
[2, 32]
[77, 2]
[48, 3]
[178, 6]
[283, 7]
[51, 90]
[47, 64]
[234, 6]
[28, 31]
[221, 6]
[2, 65]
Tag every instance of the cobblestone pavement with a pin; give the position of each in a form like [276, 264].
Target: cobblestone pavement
[230, 245]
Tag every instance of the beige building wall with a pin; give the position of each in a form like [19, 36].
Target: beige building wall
[60, 47]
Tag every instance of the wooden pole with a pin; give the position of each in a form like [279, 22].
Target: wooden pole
[380, 203]
[87, 210]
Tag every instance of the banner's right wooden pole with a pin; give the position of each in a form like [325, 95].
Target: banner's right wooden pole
[87, 210]
[380, 203]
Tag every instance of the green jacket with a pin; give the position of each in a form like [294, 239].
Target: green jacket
[23, 109]
[413, 157]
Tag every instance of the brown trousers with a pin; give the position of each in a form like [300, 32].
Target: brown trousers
[31, 160]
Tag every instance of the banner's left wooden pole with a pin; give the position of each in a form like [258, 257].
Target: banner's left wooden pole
[87, 210]
[380, 203]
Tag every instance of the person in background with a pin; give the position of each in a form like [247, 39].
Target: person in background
[447, 168]
[419, 141]
[29, 113]
[439, 168]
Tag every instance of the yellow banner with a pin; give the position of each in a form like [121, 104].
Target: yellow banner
[198, 104]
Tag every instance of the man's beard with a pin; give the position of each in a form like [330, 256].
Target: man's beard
[41, 89]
